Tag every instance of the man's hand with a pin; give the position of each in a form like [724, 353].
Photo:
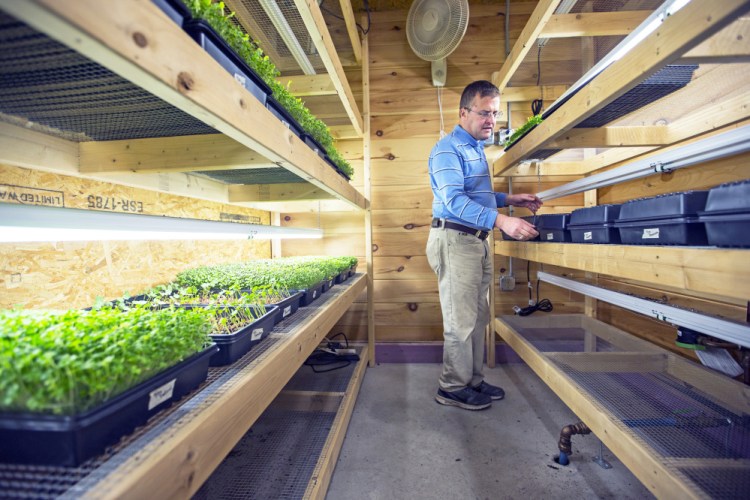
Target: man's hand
[515, 228]
[530, 201]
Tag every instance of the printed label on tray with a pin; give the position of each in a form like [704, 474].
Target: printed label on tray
[257, 334]
[287, 311]
[241, 79]
[161, 394]
[315, 293]
[550, 236]
[588, 235]
[650, 233]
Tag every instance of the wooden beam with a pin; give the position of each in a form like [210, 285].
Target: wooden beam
[539, 18]
[730, 45]
[275, 192]
[247, 20]
[522, 94]
[316, 26]
[712, 270]
[609, 137]
[367, 187]
[678, 33]
[309, 85]
[343, 132]
[593, 24]
[169, 154]
[351, 28]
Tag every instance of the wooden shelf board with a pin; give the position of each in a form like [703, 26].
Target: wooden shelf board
[184, 459]
[702, 269]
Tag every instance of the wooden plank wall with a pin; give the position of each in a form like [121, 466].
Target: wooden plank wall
[73, 274]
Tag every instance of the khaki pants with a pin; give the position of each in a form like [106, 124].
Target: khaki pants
[464, 270]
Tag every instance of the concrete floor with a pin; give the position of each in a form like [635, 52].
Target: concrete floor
[402, 444]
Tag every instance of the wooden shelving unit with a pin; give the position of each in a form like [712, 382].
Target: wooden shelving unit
[706, 35]
[136, 41]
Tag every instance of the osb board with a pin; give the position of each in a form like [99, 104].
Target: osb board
[74, 274]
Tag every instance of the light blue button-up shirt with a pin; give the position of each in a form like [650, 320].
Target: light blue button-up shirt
[461, 182]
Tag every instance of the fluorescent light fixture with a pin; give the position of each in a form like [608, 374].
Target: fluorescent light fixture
[710, 148]
[648, 26]
[731, 331]
[25, 223]
[272, 10]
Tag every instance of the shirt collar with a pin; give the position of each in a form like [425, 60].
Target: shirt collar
[465, 136]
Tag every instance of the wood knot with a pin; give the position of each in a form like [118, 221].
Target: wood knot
[375, 247]
[400, 269]
[379, 133]
[243, 104]
[184, 82]
[397, 28]
[409, 226]
[393, 73]
[390, 157]
[287, 218]
[140, 39]
[413, 306]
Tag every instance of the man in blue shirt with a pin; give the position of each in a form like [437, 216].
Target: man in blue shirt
[464, 211]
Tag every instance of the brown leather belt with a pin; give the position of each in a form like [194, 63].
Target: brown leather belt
[482, 235]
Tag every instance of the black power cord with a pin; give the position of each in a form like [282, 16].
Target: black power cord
[328, 355]
[544, 305]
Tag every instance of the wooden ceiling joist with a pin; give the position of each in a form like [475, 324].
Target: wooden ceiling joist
[538, 20]
[316, 26]
[351, 28]
[732, 44]
[679, 33]
[593, 24]
[275, 193]
[529, 93]
[169, 154]
[309, 85]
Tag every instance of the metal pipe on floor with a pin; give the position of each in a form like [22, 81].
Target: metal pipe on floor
[565, 444]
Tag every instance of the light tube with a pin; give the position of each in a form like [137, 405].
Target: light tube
[27, 223]
[730, 331]
[729, 143]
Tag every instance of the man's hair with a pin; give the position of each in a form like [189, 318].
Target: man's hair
[482, 87]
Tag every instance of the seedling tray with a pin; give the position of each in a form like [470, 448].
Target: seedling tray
[728, 230]
[599, 214]
[594, 233]
[235, 345]
[287, 307]
[313, 144]
[311, 294]
[70, 440]
[352, 271]
[729, 198]
[175, 10]
[553, 227]
[665, 206]
[328, 284]
[212, 43]
[283, 115]
[342, 276]
[531, 219]
[675, 231]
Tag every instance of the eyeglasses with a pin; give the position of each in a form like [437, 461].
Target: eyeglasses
[485, 114]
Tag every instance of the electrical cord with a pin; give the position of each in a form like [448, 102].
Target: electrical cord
[544, 305]
[325, 356]
[367, 9]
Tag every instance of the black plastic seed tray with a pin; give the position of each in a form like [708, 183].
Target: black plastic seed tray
[212, 43]
[531, 219]
[553, 228]
[313, 144]
[287, 307]
[283, 115]
[728, 230]
[729, 198]
[665, 206]
[594, 215]
[673, 231]
[175, 10]
[605, 232]
[71, 440]
[235, 345]
[328, 284]
[311, 294]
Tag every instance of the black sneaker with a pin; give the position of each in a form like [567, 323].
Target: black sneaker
[494, 392]
[466, 398]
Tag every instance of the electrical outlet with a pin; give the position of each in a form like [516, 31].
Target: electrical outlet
[507, 283]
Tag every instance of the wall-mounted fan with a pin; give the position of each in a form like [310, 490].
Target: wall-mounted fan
[434, 28]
